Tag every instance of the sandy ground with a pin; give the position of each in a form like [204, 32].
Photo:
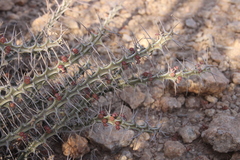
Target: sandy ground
[205, 31]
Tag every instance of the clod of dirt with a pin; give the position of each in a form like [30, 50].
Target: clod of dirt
[235, 156]
[173, 149]
[133, 96]
[212, 82]
[141, 142]
[189, 133]
[192, 102]
[6, 5]
[75, 147]
[236, 78]
[109, 138]
[223, 133]
[169, 103]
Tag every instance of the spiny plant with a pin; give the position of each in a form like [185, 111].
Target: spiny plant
[48, 87]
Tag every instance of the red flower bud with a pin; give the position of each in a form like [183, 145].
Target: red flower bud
[131, 50]
[7, 49]
[117, 123]
[117, 127]
[172, 74]
[58, 96]
[111, 118]
[3, 39]
[27, 80]
[12, 105]
[64, 58]
[47, 129]
[75, 51]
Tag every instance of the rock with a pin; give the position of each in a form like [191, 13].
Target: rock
[133, 96]
[6, 5]
[39, 23]
[210, 112]
[126, 155]
[224, 6]
[157, 90]
[234, 55]
[236, 78]
[223, 133]
[189, 133]
[126, 38]
[234, 26]
[20, 2]
[159, 147]
[141, 142]
[110, 138]
[212, 82]
[183, 55]
[159, 156]
[173, 149]
[192, 102]
[191, 23]
[169, 103]
[71, 24]
[123, 110]
[202, 157]
[195, 117]
[211, 99]
[215, 55]
[181, 99]
[148, 100]
[75, 147]
[13, 16]
[235, 156]
[147, 155]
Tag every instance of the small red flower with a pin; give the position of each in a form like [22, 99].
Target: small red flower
[100, 116]
[137, 58]
[64, 58]
[3, 39]
[47, 129]
[62, 68]
[73, 83]
[132, 50]
[172, 74]
[104, 121]
[27, 80]
[109, 81]
[95, 96]
[117, 123]
[12, 105]
[23, 135]
[75, 51]
[124, 65]
[7, 49]
[179, 78]
[176, 68]
[50, 98]
[117, 127]
[103, 113]
[147, 75]
[58, 96]
[111, 118]
[115, 115]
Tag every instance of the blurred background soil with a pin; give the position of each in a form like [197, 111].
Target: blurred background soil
[206, 31]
